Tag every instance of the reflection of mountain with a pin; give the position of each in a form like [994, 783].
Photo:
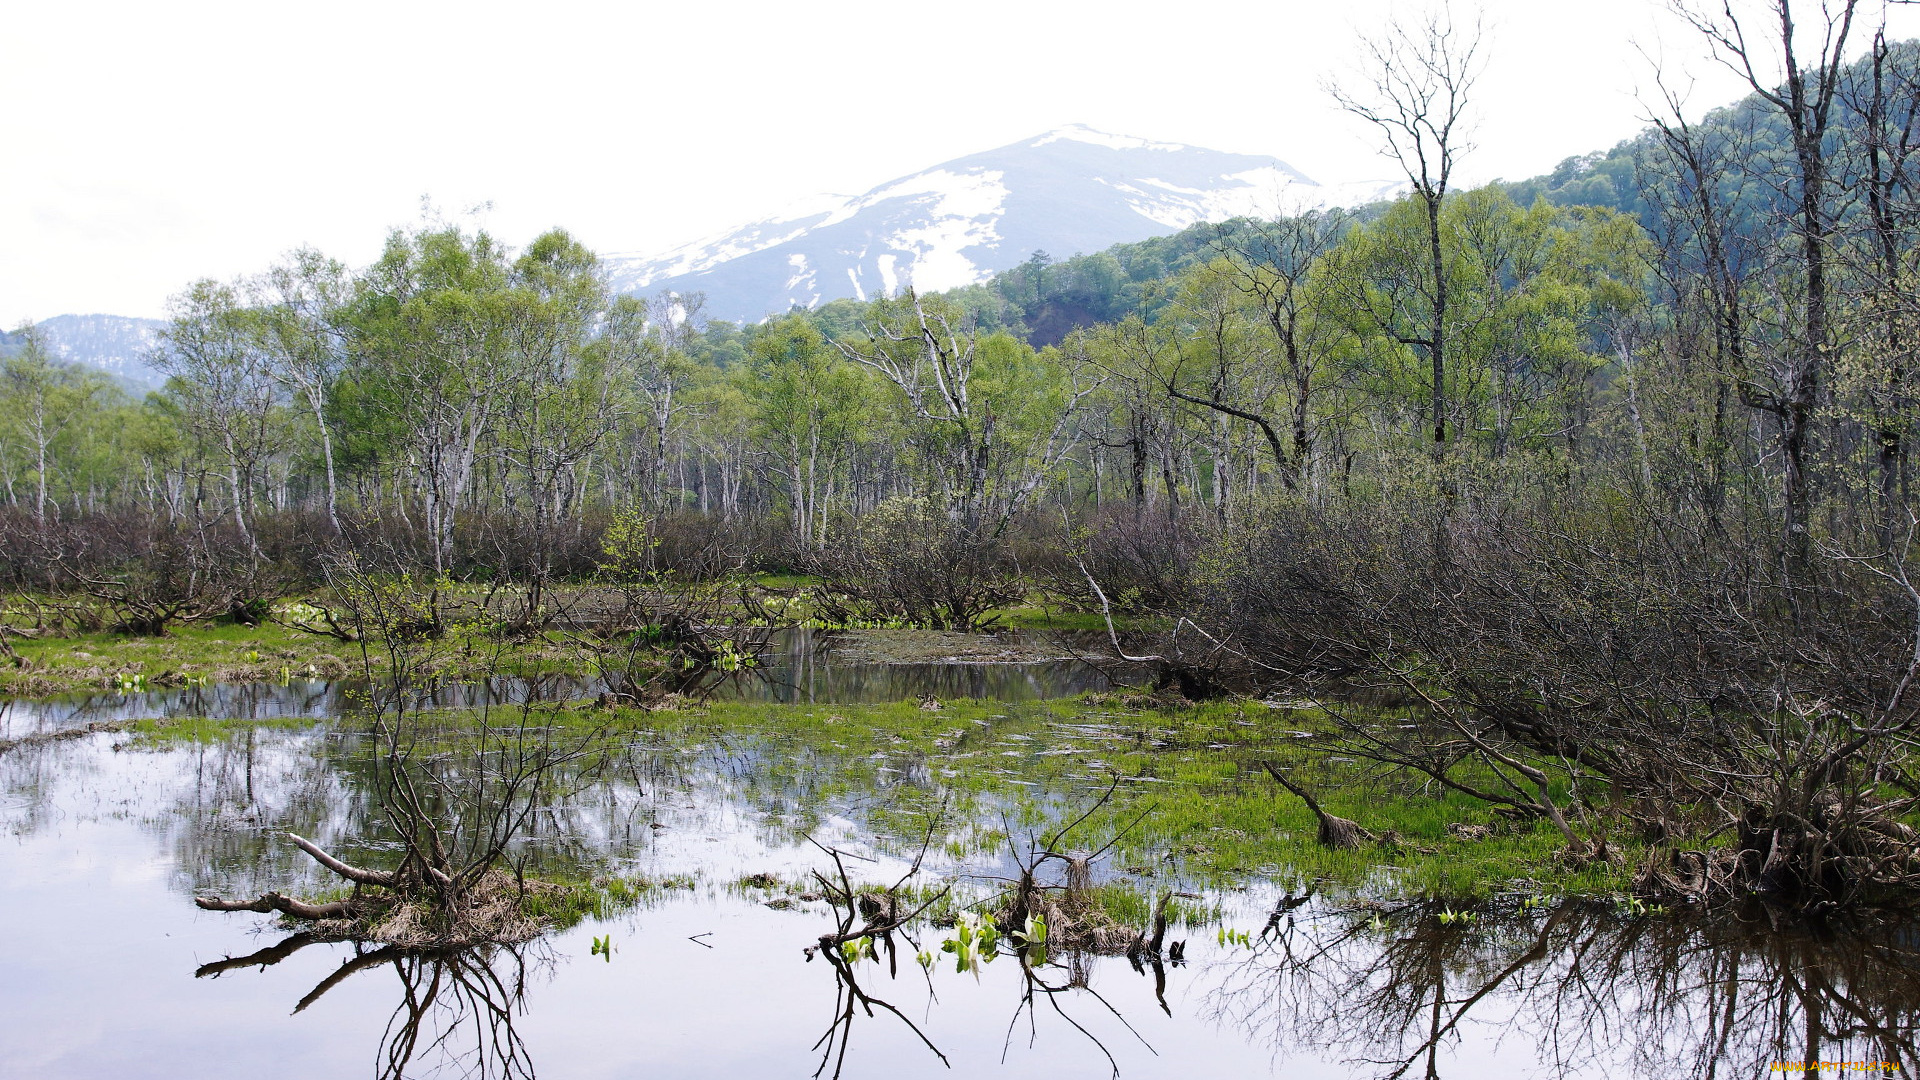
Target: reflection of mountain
[1071, 190]
[116, 344]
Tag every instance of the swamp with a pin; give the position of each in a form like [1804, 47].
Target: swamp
[1469, 634]
[722, 882]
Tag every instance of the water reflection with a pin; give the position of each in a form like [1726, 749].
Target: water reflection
[457, 1007]
[798, 666]
[1403, 994]
[1061, 984]
[1331, 987]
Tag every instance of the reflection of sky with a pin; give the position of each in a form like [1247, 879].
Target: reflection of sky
[106, 841]
[104, 985]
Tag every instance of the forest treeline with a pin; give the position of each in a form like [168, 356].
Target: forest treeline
[455, 376]
[456, 373]
[1611, 472]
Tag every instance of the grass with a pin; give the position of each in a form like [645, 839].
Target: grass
[190, 654]
[569, 903]
[1208, 815]
[221, 651]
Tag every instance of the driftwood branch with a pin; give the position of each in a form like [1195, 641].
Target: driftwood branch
[287, 905]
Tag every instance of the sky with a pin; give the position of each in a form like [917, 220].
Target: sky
[151, 144]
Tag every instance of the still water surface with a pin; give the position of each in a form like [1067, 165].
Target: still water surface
[798, 666]
[110, 971]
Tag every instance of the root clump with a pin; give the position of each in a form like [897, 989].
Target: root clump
[409, 910]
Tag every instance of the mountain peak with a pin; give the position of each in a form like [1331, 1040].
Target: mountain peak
[115, 344]
[1096, 137]
[1074, 189]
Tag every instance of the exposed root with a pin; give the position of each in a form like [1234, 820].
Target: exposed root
[1074, 919]
[1789, 861]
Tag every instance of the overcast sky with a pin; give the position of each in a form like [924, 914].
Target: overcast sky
[152, 143]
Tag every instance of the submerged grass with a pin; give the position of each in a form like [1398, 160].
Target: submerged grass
[1207, 812]
[1192, 806]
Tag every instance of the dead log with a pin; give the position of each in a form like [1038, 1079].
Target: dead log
[285, 905]
[64, 734]
[298, 909]
[1335, 832]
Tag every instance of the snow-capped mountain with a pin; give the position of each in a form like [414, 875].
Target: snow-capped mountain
[1072, 190]
[115, 344]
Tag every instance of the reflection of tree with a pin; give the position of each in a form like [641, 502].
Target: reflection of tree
[851, 1001]
[1584, 984]
[1034, 987]
[456, 1012]
[242, 791]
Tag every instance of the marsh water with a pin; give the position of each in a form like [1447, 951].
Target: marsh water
[110, 971]
[797, 666]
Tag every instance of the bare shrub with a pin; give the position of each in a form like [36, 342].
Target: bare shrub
[1143, 560]
[913, 562]
[458, 790]
[1566, 661]
[669, 631]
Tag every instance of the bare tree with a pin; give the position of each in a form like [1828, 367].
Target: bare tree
[1881, 267]
[929, 352]
[1272, 265]
[1796, 71]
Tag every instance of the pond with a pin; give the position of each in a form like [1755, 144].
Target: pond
[797, 666]
[113, 972]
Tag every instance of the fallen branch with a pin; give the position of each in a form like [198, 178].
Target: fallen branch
[351, 873]
[286, 905]
[1335, 832]
[64, 734]
[1106, 612]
